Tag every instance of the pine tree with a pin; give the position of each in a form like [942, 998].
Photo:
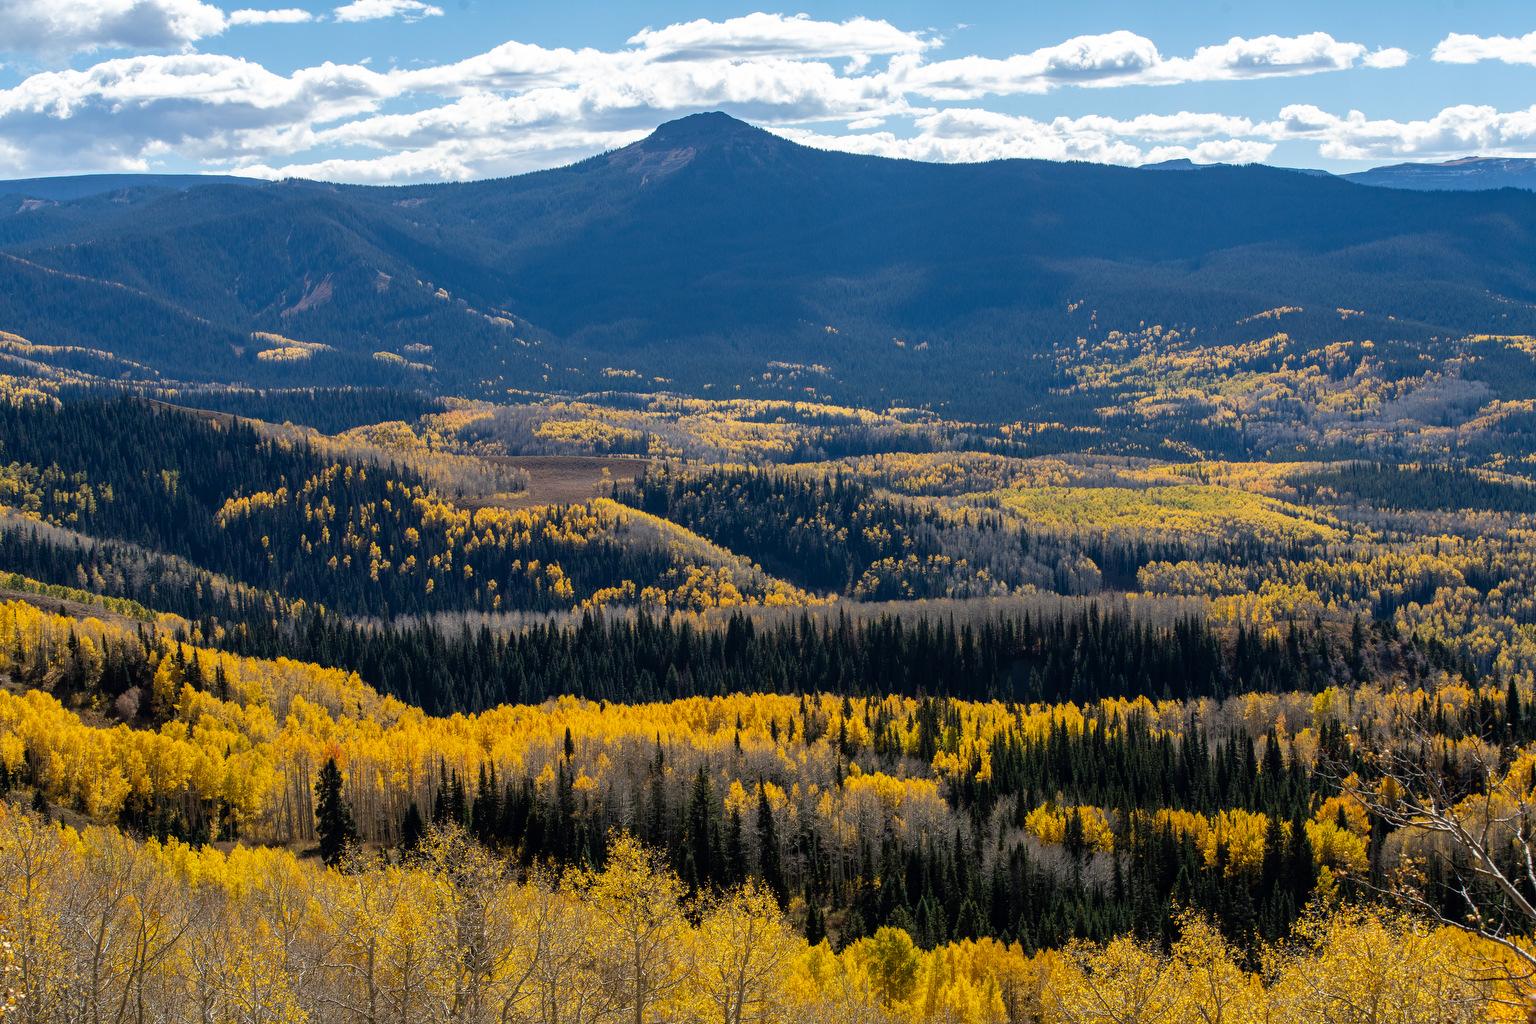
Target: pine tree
[768, 847]
[735, 851]
[413, 828]
[1512, 710]
[333, 817]
[815, 924]
[701, 870]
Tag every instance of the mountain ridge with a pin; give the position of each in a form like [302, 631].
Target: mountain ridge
[712, 248]
[1472, 173]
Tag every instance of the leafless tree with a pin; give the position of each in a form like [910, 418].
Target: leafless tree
[1464, 810]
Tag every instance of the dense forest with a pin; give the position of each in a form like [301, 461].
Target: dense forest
[1181, 802]
[916, 719]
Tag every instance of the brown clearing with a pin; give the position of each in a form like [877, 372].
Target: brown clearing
[70, 607]
[565, 479]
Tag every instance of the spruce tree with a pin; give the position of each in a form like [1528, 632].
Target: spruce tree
[333, 818]
[735, 851]
[412, 829]
[768, 847]
[815, 924]
[701, 869]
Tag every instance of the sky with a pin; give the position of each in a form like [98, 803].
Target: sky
[396, 91]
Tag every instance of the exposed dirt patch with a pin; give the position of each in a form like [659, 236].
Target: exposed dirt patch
[566, 479]
[313, 296]
[65, 606]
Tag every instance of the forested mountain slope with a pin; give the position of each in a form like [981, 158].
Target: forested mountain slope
[714, 237]
[1469, 173]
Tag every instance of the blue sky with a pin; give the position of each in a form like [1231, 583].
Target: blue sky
[414, 90]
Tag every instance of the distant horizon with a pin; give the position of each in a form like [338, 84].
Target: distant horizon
[1151, 165]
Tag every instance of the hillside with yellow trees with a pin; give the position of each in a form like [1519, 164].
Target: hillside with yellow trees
[800, 855]
[97, 923]
[318, 706]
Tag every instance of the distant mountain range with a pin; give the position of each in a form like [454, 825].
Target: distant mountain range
[1471, 173]
[712, 251]
[81, 186]
[1467, 174]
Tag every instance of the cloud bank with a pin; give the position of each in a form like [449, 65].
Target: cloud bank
[862, 85]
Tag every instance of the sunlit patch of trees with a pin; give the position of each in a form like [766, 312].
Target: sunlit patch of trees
[946, 818]
[97, 925]
[284, 516]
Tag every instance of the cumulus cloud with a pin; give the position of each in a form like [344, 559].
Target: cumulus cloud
[59, 28]
[614, 107]
[1454, 131]
[56, 27]
[1125, 58]
[1460, 48]
[282, 16]
[1386, 57]
[970, 135]
[376, 10]
[765, 35]
[861, 84]
[455, 159]
[1272, 56]
[121, 113]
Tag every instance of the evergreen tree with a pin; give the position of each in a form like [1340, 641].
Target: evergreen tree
[700, 870]
[333, 817]
[768, 847]
[815, 924]
[735, 850]
[412, 830]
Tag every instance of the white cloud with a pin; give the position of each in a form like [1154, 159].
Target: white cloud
[1085, 60]
[1272, 56]
[62, 27]
[971, 135]
[58, 28]
[375, 10]
[769, 90]
[1183, 125]
[1386, 58]
[768, 35]
[1460, 48]
[455, 159]
[514, 66]
[519, 106]
[1125, 58]
[1215, 151]
[282, 16]
[123, 113]
[1455, 131]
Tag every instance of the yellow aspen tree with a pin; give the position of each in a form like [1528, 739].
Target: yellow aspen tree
[637, 907]
[744, 945]
[35, 873]
[1122, 982]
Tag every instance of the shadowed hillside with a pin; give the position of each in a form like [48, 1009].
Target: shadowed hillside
[712, 249]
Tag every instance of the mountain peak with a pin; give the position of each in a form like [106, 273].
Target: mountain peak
[696, 129]
[677, 144]
[1182, 163]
